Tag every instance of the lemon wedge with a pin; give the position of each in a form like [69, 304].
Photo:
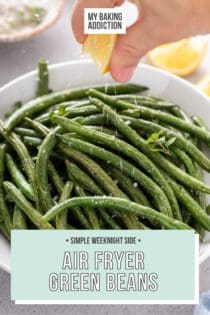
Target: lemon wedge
[204, 85]
[181, 58]
[100, 48]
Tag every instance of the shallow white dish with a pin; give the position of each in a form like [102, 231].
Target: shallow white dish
[83, 72]
[54, 10]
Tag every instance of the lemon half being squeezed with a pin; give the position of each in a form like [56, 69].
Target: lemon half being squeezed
[100, 48]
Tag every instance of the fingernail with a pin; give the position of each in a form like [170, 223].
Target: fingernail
[125, 74]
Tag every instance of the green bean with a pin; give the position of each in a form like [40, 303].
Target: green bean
[141, 144]
[112, 159]
[146, 101]
[150, 128]
[200, 197]
[73, 104]
[90, 212]
[22, 152]
[22, 131]
[82, 178]
[81, 218]
[99, 174]
[98, 119]
[120, 204]
[129, 187]
[132, 153]
[43, 78]
[190, 204]
[2, 161]
[186, 160]
[125, 88]
[41, 103]
[32, 141]
[181, 142]
[4, 211]
[85, 180]
[126, 149]
[136, 97]
[18, 178]
[178, 112]
[41, 129]
[34, 216]
[101, 177]
[69, 112]
[19, 219]
[55, 177]
[108, 219]
[171, 120]
[76, 210]
[61, 219]
[135, 193]
[41, 170]
[27, 163]
[81, 111]
[144, 112]
[200, 122]
[62, 107]
[108, 131]
[81, 103]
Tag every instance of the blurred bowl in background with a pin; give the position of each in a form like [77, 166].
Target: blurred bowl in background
[54, 9]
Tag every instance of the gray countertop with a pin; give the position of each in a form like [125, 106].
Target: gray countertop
[57, 45]
[9, 308]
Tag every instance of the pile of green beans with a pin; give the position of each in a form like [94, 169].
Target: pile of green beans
[102, 157]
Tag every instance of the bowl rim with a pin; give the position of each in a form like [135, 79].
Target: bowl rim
[19, 36]
[145, 67]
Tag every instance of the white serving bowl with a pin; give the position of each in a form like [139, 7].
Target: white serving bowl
[83, 72]
[54, 11]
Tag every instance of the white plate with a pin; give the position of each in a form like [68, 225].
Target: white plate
[54, 11]
[83, 72]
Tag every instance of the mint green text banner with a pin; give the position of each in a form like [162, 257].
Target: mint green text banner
[88, 265]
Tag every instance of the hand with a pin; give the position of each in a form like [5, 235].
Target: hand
[159, 22]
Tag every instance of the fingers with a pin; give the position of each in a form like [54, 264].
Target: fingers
[129, 49]
[126, 55]
[77, 22]
[77, 18]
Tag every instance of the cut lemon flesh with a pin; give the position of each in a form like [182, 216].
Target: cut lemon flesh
[204, 85]
[100, 48]
[181, 58]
